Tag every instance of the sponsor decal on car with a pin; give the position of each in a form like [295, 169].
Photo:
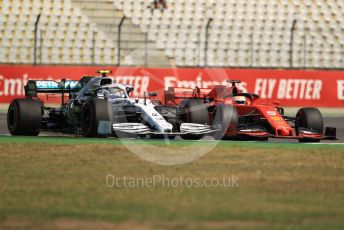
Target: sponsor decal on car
[271, 113]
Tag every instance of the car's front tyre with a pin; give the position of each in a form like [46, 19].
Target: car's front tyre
[309, 118]
[93, 112]
[222, 117]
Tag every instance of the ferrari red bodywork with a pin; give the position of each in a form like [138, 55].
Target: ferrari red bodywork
[254, 120]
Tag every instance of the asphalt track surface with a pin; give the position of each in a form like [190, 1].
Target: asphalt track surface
[337, 122]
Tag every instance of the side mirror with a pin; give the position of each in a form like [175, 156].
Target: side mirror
[153, 94]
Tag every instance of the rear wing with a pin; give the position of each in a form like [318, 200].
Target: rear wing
[177, 93]
[186, 93]
[33, 87]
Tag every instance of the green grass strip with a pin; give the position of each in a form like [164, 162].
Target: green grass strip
[113, 141]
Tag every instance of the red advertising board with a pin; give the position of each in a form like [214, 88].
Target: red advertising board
[290, 87]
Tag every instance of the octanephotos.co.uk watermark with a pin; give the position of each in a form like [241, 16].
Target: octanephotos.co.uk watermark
[163, 181]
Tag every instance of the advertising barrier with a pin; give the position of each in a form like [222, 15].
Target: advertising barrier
[296, 88]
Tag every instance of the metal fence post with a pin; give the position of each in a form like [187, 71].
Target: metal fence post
[291, 44]
[35, 40]
[206, 42]
[119, 40]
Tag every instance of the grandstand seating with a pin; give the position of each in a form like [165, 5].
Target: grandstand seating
[67, 34]
[246, 33]
[249, 33]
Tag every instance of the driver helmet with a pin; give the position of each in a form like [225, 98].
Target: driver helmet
[240, 100]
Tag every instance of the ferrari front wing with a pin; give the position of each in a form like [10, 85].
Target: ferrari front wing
[330, 134]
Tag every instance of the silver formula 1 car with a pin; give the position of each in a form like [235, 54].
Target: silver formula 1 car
[96, 106]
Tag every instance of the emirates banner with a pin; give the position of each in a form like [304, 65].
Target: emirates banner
[296, 88]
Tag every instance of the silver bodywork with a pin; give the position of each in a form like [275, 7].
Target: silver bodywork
[118, 97]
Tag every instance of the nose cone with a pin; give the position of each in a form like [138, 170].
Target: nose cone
[285, 131]
[169, 128]
[164, 127]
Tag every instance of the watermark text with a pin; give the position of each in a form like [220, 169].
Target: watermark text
[170, 182]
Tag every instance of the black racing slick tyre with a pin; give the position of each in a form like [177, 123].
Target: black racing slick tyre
[194, 111]
[223, 116]
[93, 111]
[309, 118]
[24, 117]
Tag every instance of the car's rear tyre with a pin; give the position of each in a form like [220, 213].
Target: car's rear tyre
[223, 116]
[194, 111]
[309, 118]
[24, 117]
[93, 111]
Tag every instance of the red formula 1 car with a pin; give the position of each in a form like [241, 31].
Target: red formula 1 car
[238, 115]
